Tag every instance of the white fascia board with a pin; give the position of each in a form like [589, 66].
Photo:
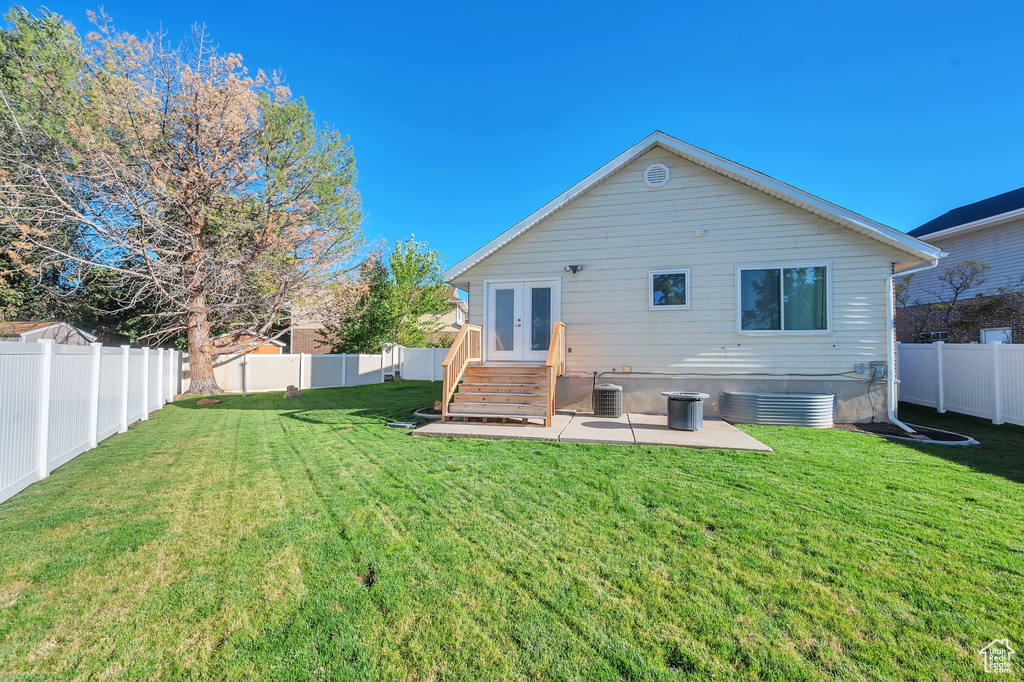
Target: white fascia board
[722, 166]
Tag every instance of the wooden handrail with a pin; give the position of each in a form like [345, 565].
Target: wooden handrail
[467, 347]
[555, 366]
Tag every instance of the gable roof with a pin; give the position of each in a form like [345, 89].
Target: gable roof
[453, 299]
[722, 166]
[20, 328]
[23, 327]
[998, 207]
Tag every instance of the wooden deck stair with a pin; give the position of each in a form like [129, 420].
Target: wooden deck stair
[520, 391]
[502, 392]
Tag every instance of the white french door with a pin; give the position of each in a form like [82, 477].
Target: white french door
[519, 318]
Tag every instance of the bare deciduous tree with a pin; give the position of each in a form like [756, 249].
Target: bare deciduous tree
[952, 309]
[210, 194]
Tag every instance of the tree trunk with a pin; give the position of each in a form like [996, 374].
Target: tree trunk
[200, 352]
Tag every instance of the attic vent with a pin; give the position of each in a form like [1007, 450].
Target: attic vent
[656, 175]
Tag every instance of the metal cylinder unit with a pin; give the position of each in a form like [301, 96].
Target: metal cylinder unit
[607, 400]
[779, 409]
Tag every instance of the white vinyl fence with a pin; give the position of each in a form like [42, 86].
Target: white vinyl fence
[59, 401]
[254, 372]
[423, 364]
[983, 380]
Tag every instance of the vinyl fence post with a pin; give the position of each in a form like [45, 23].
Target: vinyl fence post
[159, 378]
[168, 376]
[938, 373]
[245, 373]
[145, 383]
[125, 360]
[302, 361]
[344, 369]
[94, 393]
[382, 364]
[997, 385]
[43, 415]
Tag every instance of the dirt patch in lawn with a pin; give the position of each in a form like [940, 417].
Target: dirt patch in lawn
[368, 579]
[923, 434]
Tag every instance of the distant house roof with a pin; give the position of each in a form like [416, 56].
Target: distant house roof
[18, 328]
[453, 299]
[234, 338]
[1008, 202]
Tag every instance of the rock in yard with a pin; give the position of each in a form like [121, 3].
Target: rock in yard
[207, 401]
[292, 392]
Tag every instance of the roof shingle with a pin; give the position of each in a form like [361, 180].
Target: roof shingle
[979, 210]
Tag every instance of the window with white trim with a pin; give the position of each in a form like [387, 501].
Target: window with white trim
[669, 289]
[792, 298]
[1000, 335]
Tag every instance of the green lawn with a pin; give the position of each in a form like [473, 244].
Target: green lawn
[305, 540]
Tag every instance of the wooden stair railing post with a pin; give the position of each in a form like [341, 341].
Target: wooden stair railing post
[465, 349]
[555, 366]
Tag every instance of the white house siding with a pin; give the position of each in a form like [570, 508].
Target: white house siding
[1002, 247]
[621, 229]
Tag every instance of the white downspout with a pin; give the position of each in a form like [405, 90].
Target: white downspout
[890, 306]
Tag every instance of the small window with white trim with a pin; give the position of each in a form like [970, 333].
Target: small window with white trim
[669, 289]
[1000, 335]
[787, 298]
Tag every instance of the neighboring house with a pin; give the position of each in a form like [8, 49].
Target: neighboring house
[244, 342]
[447, 324]
[60, 332]
[305, 334]
[991, 231]
[670, 261]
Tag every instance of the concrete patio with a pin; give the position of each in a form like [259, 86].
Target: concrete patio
[629, 429]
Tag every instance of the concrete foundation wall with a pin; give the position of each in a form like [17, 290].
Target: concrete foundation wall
[856, 400]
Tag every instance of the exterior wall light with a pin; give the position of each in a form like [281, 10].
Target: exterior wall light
[573, 268]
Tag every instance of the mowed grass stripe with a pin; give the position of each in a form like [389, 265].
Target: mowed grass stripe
[433, 576]
[526, 590]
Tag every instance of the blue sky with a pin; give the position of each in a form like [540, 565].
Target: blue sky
[467, 117]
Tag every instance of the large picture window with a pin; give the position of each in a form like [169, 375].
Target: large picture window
[669, 289]
[783, 298]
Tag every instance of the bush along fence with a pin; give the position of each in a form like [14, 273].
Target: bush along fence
[60, 401]
[983, 380]
[254, 372]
